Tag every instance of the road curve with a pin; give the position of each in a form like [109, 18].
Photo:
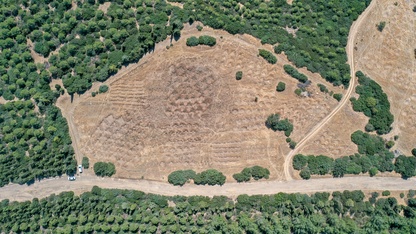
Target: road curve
[345, 99]
[44, 188]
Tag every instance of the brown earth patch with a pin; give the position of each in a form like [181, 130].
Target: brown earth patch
[183, 108]
[388, 58]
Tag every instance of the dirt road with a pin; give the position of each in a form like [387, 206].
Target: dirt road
[345, 99]
[85, 183]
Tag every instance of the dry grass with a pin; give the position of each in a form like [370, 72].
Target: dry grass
[182, 108]
[388, 58]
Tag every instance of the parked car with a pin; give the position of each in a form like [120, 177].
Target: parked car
[80, 168]
[71, 178]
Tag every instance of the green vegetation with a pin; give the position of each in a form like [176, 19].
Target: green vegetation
[85, 162]
[293, 72]
[374, 104]
[129, 211]
[181, 177]
[255, 172]
[281, 86]
[337, 96]
[104, 169]
[268, 56]
[239, 75]
[103, 88]
[202, 40]
[274, 122]
[381, 26]
[94, 45]
[209, 177]
[199, 27]
[373, 157]
[323, 88]
[385, 193]
[414, 152]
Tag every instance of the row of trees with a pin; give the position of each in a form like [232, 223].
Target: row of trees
[373, 102]
[209, 177]
[293, 72]
[373, 157]
[268, 56]
[129, 211]
[202, 40]
[104, 169]
[255, 172]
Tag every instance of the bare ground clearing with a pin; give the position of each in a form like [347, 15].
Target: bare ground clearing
[85, 183]
[388, 58]
[182, 108]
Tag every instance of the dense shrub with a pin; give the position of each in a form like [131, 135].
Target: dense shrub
[373, 102]
[293, 72]
[381, 25]
[337, 96]
[104, 169]
[255, 172]
[103, 88]
[209, 177]
[323, 88]
[281, 86]
[274, 122]
[239, 75]
[268, 56]
[405, 166]
[202, 40]
[85, 162]
[181, 177]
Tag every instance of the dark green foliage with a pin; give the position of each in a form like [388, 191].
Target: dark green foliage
[85, 162]
[414, 152]
[199, 27]
[192, 41]
[385, 193]
[337, 96]
[181, 177]
[305, 173]
[209, 177]
[239, 75]
[323, 88]
[281, 86]
[255, 172]
[381, 25]
[406, 166]
[373, 103]
[268, 56]
[293, 72]
[292, 144]
[373, 157]
[103, 88]
[202, 40]
[104, 169]
[129, 211]
[298, 92]
[274, 122]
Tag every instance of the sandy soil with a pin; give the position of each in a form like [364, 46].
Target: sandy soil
[182, 108]
[326, 141]
[388, 57]
[84, 183]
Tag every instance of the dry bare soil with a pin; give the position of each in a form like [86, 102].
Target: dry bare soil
[182, 108]
[388, 58]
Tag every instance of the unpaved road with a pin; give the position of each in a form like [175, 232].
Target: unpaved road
[350, 53]
[83, 183]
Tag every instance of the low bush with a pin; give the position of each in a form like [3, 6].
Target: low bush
[281, 86]
[239, 75]
[104, 169]
[255, 172]
[293, 72]
[103, 88]
[209, 177]
[181, 177]
[202, 40]
[337, 96]
[85, 162]
[268, 56]
[274, 122]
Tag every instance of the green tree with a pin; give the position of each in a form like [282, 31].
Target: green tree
[238, 75]
[281, 86]
[104, 169]
[85, 162]
[210, 177]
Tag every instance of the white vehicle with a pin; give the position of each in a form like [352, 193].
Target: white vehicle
[80, 168]
[71, 178]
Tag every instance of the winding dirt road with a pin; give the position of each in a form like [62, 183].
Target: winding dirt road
[85, 182]
[345, 99]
